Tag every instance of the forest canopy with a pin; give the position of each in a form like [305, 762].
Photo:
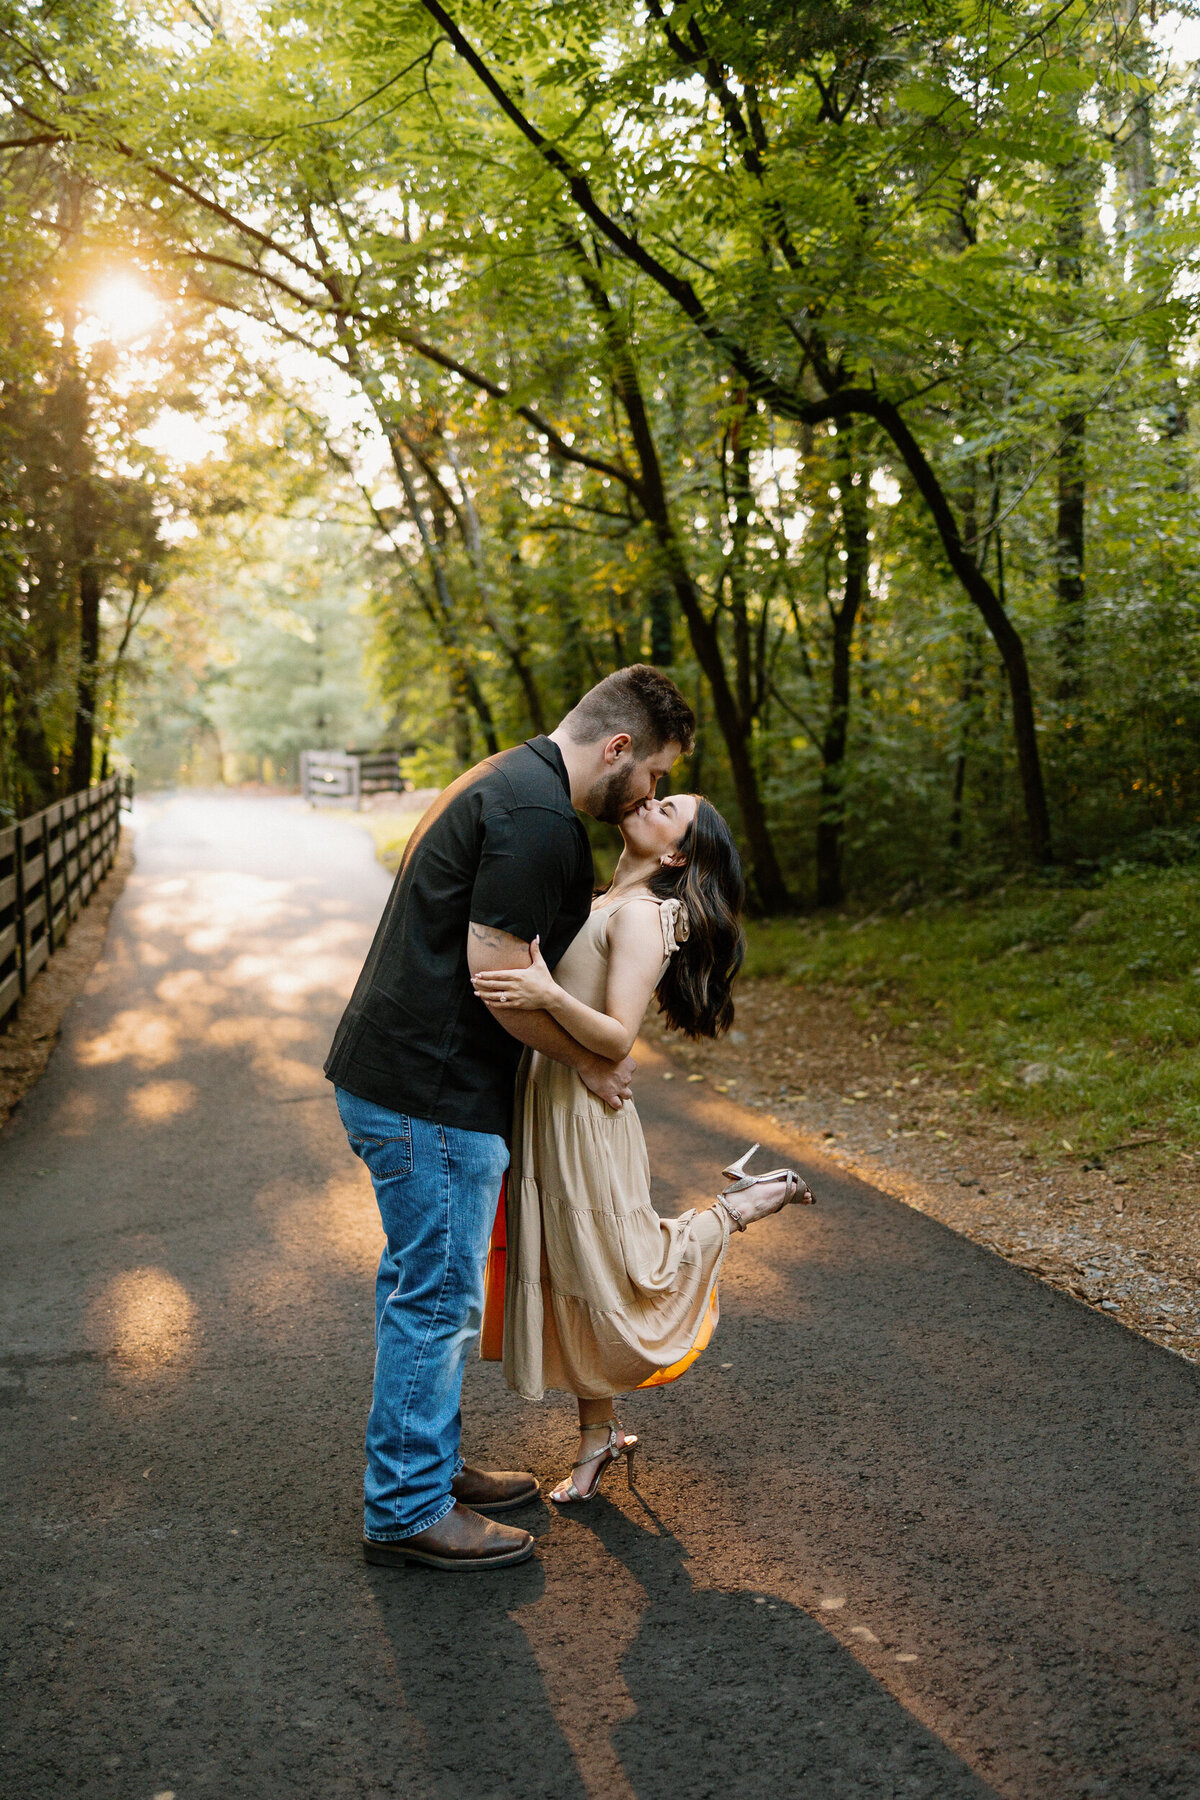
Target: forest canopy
[837, 358]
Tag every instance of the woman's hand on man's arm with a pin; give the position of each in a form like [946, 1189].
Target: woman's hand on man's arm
[529, 989]
[490, 951]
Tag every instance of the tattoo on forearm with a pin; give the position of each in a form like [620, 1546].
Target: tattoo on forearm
[485, 935]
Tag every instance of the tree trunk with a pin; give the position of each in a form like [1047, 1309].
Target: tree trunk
[651, 491]
[465, 687]
[35, 784]
[87, 577]
[461, 714]
[983, 596]
[1068, 546]
[1072, 623]
[463, 679]
[969, 695]
[831, 819]
[739, 499]
[83, 754]
[662, 627]
[768, 876]
[472, 535]
[1141, 172]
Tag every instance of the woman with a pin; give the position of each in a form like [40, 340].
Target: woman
[602, 1294]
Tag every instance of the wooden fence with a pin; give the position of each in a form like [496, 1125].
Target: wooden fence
[349, 774]
[49, 866]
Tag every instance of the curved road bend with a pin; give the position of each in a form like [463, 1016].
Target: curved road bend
[914, 1526]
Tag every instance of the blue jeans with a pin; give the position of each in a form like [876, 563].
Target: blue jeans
[437, 1188]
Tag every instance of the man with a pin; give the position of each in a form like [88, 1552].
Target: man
[424, 1075]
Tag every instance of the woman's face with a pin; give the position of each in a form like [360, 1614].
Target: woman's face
[656, 827]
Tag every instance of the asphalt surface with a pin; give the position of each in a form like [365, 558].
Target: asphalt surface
[915, 1525]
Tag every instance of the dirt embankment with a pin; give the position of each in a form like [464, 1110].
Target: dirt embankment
[1125, 1238]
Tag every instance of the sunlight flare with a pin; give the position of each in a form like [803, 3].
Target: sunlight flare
[124, 308]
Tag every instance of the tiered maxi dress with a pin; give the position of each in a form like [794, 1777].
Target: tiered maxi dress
[601, 1294]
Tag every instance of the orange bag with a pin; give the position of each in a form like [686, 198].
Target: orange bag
[491, 1337]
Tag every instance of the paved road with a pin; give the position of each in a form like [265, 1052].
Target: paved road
[914, 1527]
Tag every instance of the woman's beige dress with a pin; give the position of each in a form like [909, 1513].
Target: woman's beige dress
[601, 1295]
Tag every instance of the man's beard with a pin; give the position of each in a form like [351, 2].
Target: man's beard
[613, 796]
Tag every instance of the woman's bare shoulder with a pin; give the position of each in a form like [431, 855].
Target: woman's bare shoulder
[636, 922]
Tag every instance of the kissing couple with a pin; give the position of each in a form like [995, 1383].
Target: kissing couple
[492, 1024]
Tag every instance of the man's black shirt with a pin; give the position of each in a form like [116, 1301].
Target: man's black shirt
[503, 846]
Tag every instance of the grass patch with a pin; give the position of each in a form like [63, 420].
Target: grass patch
[1075, 1010]
[391, 832]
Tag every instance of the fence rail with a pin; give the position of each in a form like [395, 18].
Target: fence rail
[349, 774]
[49, 866]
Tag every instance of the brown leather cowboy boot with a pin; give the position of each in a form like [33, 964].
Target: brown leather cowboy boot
[494, 1490]
[461, 1541]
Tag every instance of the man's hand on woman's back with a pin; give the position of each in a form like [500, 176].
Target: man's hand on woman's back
[610, 1082]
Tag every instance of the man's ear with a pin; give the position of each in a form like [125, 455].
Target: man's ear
[616, 747]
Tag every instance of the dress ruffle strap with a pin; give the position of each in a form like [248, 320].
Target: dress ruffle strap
[672, 916]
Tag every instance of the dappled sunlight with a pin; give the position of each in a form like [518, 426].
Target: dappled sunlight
[230, 985]
[291, 973]
[308, 1238]
[137, 1035]
[146, 1318]
[339, 1217]
[236, 925]
[189, 987]
[253, 1029]
[285, 1071]
[267, 1041]
[245, 917]
[208, 911]
[160, 1101]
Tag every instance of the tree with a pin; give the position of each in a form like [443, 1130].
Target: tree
[619, 329]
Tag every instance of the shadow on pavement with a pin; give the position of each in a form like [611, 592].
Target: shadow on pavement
[472, 1685]
[738, 1694]
[720, 1694]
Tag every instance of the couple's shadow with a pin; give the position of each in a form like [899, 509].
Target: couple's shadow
[722, 1693]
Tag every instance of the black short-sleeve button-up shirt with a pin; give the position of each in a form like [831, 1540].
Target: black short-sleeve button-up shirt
[503, 846]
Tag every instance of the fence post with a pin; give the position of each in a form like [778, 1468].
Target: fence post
[19, 916]
[47, 894]
[87, 859]
[70, 843]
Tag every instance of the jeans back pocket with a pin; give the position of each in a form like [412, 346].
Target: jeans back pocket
[384, 1156]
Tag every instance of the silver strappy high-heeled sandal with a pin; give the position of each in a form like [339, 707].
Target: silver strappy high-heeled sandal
[796, 1190]
[608, 1453]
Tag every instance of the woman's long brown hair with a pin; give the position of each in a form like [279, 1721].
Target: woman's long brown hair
[695, 992]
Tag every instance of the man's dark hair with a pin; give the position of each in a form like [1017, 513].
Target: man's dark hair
[640, 700]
